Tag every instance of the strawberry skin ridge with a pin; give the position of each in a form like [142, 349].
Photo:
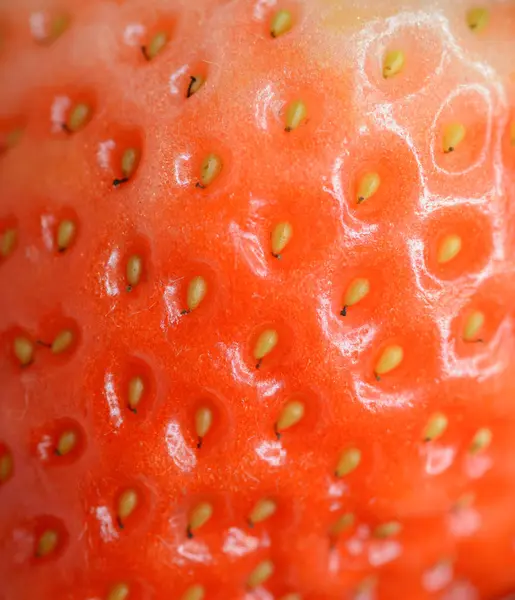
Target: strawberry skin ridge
[257, 329]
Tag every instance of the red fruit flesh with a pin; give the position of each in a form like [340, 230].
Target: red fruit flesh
[115, 355]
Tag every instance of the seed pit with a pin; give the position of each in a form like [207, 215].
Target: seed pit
[119, 155]
[58, 443]
[59, 337]
[458, 242]
[270, 345]
[131, 505]
[50, 538]
[158, 37]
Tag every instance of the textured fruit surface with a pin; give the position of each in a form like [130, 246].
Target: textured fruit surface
[257, 286]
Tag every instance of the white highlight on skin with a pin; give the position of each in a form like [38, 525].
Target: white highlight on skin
[476, 465]
[134, 34]
[435, 143]
[464, 522]
[38, 23]
[47, 231]
[110, 274]
[268, 107]
[438, 458]
[248, 247]
[238, 543]
[181, 169]
[174, 78]
[183, 456]
[104, 151]
[58, 112]
[107, 531]
[272, 453]
[383, 552]
[44, 447]
[172, 305]
[112, 400]
[243, 373]
[461, 590]
[261, 8]
[195, 551]
[438, 577]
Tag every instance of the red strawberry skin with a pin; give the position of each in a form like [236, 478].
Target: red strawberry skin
[430, 518]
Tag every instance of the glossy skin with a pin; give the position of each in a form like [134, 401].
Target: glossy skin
[450, 545]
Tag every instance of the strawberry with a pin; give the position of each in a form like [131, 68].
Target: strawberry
[257, 282]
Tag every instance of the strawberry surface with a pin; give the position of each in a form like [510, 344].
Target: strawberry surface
[257, 279]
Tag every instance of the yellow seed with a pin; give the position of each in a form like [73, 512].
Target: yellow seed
[78, 117]
[66, 442]
[203, 421]
[281, 235]
[120, 591]
[464, 501]
[481, 440]
[390, 359]
[134, 270]
[6, 466]
[435, 427]
[449, 248]
[393, 63]
[156, 45]
[130, 160]
[136, 389]
[387, 530]
[13, 137]
[58, 27]
[127, 503]
[265, 343]
[63, 340]
[66, 231]
[195, 592]
[478, 18]
[210, 169]
[473, 326]
[356, 291]
[296, 114]
[290, 415]
[262, 510]
[453, 135]
[47, 543]
[260, 574]
[348, 462]
[196, 82]
[281, 23]
[344, 522]
[291, 597]
[368, 186]
[197, 290]
[23, 350]
[512, 133]
[7, 242]
[199, 516]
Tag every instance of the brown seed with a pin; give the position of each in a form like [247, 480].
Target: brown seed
[196, 82]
